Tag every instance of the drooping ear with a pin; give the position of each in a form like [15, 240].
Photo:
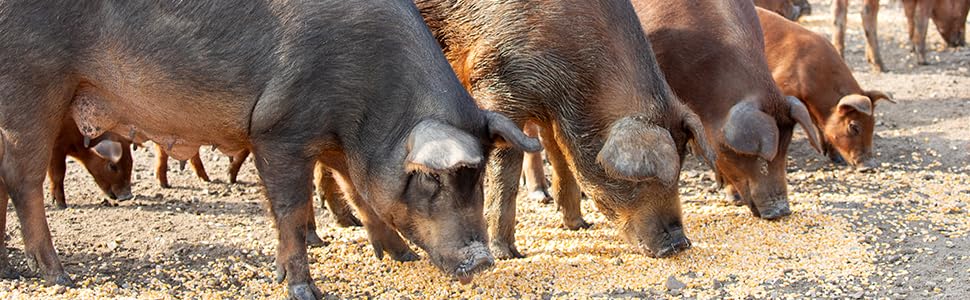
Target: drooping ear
[109, 150]
[855, 103]
[506, 134]
[698, 138]
[636, 150]
[750, 131]
[798, 112]
[875, 95]
[436, 147]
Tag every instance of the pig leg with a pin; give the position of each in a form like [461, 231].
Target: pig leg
[535, 178]
[327, 189]
[6, 271]
[199, 168]
[288, 181]
[382, 237]
[567, 193]
[312, 238]
[55, 171]
[235, 163]
[839, 10]
[161, 167]
[25, 181]
[502, 176]
[918, 26]
[870, 14]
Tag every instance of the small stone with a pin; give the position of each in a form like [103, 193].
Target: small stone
[673, 285]
[717, 284]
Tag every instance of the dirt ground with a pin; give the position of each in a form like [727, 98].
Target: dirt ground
[900, 232]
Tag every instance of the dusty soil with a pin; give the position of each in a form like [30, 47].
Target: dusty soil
[900, 232]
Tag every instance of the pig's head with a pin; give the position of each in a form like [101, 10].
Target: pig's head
[950, 17]
[110, 165]
[438, 203]
[848, 130]
[752, 155]
[642, 163]
[785, 8]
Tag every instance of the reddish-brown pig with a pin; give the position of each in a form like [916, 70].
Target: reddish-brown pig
[107, 158]
[583, 71]
[712, 52]
[782, 7]
[950, 17]
[805, 65]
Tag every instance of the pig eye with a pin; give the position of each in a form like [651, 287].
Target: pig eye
[422, 187]
[112, 167]
[855, 128]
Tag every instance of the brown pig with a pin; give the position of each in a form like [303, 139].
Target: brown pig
[712, 52]
[107, 158]
[236, 160]
[805, 65]
[870, 14]
[583, 71]
[950, 17]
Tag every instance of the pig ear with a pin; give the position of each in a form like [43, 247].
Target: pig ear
[855, 103]
[798, 112]
[875, 95]
[506, 134]
[636, 150]
[750, 131]
[436, 147]
[109, 150]
[693, 124]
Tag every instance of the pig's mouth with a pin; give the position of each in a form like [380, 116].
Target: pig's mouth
[771, 207]
[121, 195]
[674, 242]
[474, 258]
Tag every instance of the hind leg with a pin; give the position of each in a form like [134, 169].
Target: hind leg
[161, 167]
[870, 14]
[199, 168]
[5, 270]
[532, 171]
[235, 163]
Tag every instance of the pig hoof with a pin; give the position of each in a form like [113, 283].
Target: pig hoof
[313, 240]
[576, 224]
[165, 185]
[304, 291]
[539, 196]
[59, 279]
[348, 221]
[60, 205]
[406, 256]
[504, 251]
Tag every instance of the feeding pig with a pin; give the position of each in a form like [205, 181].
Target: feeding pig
[712, 52]
[950, 17]
[870, 14]
[107, 158]
[583, 71]
[359, 84]
[805, 65]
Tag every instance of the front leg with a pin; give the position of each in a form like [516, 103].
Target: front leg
[921, 23]
[533, 173]
[287, 176]
[55, 171]
[840, 9]
[502, 186]
[6, 271]
[161, 167]
[199, 167]
[870, 14]
[565, 189]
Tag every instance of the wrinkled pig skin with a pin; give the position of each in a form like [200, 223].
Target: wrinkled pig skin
[361, 84]
[805, 65]
[610, 125]
[712, 52]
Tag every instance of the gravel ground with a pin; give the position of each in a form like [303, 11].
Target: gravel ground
[900, 232]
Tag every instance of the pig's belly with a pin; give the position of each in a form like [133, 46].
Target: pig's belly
[179, 121]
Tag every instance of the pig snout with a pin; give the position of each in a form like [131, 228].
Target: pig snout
[476, 258]
[674, 242]
[120, 193]
[867, 165]
[771, 208]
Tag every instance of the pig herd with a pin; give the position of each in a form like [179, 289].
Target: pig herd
[415, 111]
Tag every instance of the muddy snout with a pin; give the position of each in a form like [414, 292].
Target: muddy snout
[674, 242]
[120, 193]
[475, 258]
[771, 208]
